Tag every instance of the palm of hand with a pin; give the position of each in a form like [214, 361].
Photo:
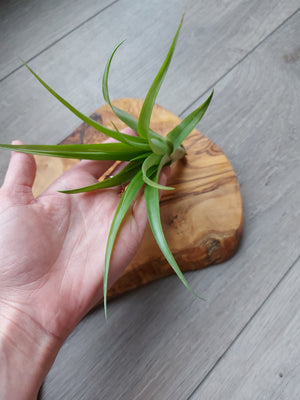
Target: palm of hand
[53, 247]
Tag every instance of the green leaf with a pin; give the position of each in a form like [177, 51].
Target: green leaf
[141, 156]
[101, 151]
[122, 137]
[160, 145]
[128, 119]
[151, 161]
[181, 131]
[123, 177]
[137, 142]
[145, 115]
[125, 202]
[152, 204]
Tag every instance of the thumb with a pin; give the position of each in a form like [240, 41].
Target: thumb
[20, 174]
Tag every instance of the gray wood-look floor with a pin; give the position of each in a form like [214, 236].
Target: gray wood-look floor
[160, 342]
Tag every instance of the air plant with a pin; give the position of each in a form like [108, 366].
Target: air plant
[146, 154]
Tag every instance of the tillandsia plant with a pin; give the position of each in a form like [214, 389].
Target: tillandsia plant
[146, 154]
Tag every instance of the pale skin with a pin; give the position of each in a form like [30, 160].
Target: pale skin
[52, 263]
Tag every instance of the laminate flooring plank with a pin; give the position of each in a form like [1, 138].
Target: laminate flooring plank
[160, 342]
[264, 362]
[215, 36]
[28, 27]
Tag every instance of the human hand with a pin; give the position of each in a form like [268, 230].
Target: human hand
[53, 246]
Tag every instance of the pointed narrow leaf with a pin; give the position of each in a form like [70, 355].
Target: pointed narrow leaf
[123, 177]
[141, 156]
[152, 204]
[125, 202]
[153, 160]
[101, 151]
[181, 131]
[128, 119]
[108, 132]
[145, 115]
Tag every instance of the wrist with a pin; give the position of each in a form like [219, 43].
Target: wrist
[27, 353]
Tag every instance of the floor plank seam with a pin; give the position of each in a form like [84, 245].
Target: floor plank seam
[58, 40]
[239, 62]
[244, 327]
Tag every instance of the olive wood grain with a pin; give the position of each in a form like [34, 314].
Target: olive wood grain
[202, 218]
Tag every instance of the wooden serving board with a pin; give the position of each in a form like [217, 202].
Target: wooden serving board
[202, 218]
